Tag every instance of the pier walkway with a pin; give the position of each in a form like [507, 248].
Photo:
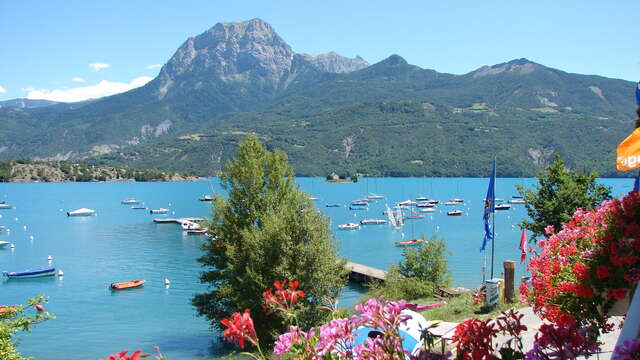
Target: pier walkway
[363, 273]
[177, 221]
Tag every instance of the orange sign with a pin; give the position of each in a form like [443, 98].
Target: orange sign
[629, 152]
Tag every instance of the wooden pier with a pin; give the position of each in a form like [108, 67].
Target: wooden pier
[363, 273]
[177, 221]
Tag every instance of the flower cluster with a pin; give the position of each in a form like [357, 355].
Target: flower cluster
[282, 299]
[239, 328]
[555, 341]
[588, 265]
[336, 339]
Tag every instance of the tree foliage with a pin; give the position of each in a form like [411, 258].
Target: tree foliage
[266, 230]
[420, 273]
[14, 319]
[560, 192]
[427, 263]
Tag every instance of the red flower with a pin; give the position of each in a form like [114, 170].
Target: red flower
[583, 290]
[618, 293]
[283, 299]
[239, 328]
[122, 355]
[602, 272]
[581, 271]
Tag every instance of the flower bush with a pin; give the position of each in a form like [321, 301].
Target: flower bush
[584, 268]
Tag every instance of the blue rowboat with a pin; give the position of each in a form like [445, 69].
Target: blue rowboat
[30, 273]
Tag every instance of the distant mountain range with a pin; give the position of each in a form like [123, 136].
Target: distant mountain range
[332, 113]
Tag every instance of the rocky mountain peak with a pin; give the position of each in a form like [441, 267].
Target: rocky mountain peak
[244, 53]
[335, 63]
[518, 66]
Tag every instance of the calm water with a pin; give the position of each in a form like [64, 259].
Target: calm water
[121, 244]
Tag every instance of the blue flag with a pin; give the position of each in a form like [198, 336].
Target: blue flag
[638, 94]
[489, 207]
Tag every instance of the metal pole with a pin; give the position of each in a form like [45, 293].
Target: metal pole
[493, 240]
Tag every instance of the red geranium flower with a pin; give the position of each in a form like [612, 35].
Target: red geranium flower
[618, 294]
[602, 272]
[239, 328]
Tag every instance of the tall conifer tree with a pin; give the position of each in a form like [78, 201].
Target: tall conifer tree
[266, 229]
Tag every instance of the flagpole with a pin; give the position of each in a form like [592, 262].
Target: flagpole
[493, 239]
[493, 227]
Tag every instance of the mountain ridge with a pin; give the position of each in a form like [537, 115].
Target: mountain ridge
[239, 78]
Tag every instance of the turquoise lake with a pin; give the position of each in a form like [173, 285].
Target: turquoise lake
[120, 244]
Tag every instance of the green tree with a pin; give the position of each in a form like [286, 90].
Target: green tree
[420, 273]
[560, 192]
[266, 230]
[427, 263]
[14, 319]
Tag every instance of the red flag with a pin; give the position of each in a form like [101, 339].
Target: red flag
[523, 246]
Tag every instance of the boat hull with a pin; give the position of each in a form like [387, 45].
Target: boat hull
[126, 284]
[30, 273]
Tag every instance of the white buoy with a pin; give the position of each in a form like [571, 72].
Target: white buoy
[12, 246]
[17, 219]
[60, 273]
[49, 257]
[24, 228]
[167, 282]
[31, 237]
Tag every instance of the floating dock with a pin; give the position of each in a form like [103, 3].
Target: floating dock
[363, 273]
[178, 221]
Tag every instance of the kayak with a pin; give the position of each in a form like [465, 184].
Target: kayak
[126, 284]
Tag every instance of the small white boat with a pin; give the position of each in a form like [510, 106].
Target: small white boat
[4, 243]
[427, 210]
[5, 206]
[422, 198]
[516, 201]
[139, 207]
[375, 196]
[313, 198]
[81, 212]
[406, 203]
[130, 202]
[159, 211]
[373, 221]
[189, 225]
[454, 213]
[456, 200]
[502, 207]
[450, 203]
[425, 205]
[349, 226]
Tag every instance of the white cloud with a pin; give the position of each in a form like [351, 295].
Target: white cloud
[78, 79]
[103, 88]
[98, 66]
[154, 66]
[2, 90]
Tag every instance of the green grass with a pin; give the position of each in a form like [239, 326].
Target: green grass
[462, 307]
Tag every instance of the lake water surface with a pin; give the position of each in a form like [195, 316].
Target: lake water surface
[121, 244]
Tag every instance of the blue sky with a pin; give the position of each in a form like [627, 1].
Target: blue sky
[48, 46]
